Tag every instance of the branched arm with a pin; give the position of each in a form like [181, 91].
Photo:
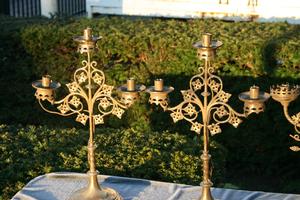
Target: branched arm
[66, 100]
[53, 112]
[287, 116]
[228, 107]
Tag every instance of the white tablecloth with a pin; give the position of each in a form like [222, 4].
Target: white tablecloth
[59, 186]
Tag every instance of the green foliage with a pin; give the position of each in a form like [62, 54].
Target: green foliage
[257, 152]
[135, 47]
[32, 151]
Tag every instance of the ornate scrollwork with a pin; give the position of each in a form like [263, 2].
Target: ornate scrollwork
[285, 94]
[189, 110]
[296, 119]
[88, 88]
[296, 122]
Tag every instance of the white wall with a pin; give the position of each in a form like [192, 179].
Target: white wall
[262, 10]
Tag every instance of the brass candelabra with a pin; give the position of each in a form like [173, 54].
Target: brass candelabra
[91, 100]
[285, 94]
[205, 106]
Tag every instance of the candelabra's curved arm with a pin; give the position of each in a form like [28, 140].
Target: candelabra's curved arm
[53, 112]
[296, 124]
[287, 115]
[188, 112]
[67, 110]
[232, 111]
[109, 101]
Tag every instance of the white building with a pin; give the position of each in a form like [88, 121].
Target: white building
[259, 10]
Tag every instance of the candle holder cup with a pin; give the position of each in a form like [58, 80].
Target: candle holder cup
[285, 94]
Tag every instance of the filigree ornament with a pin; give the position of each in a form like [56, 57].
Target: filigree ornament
[63, 108]
[118, 112]
[224, 97]
[98, 119]
[187, 95]
[197, 85]
[82, 118]
[98, 79]
[190, 109]
[75, 101]
[81, 77]
[235, 121]
[214, 129]
[295, 148]
[107, 89]
[176, 116]
[196, 127]
[214, 85]
[221, 111]
[73, 87]
[105, 103]
[296, 118]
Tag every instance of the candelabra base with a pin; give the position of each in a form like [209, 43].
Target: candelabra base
[99, 194]
[94, 192]
[206, 193]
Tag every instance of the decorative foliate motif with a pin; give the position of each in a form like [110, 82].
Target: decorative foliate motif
[224, 97]
[296, 118]
[82, 118]
[98, 79]
[221, 111]
[105, 103]
[107, 89]
[214, 85]
[190, 109]
[63, 108]
[187, 95]
[118, 112]
[214, 129]
[73, 87]
[75, 101]
[176, 116]
[81, 77]
[197, 85]
[295, 148]
[196, 127]
[235, 121]
[98, 119]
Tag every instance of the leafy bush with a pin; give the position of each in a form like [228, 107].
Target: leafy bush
[140, 48]
[252, 53]
[32, 151]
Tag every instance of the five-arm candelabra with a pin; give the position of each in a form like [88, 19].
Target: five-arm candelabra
[91, 100]
[285, 94]
[204, 104]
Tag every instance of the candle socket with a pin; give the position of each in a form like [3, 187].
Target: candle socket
[254, 92]
[87, 33]
[159, 85]
[206, 39]
[46, 81]
[130, 84]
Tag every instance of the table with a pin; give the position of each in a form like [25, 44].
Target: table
[59, 186]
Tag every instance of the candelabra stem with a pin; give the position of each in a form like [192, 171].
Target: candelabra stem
[93, 191]
[206, 183]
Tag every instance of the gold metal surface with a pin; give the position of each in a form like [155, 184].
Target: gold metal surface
[205, 106]
[129, 93]
[285, 94]
[45, 88]
[91, 100]
[254, 100]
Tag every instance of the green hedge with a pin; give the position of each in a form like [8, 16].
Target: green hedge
[140, 48]
[253, 53]
[26, 152]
